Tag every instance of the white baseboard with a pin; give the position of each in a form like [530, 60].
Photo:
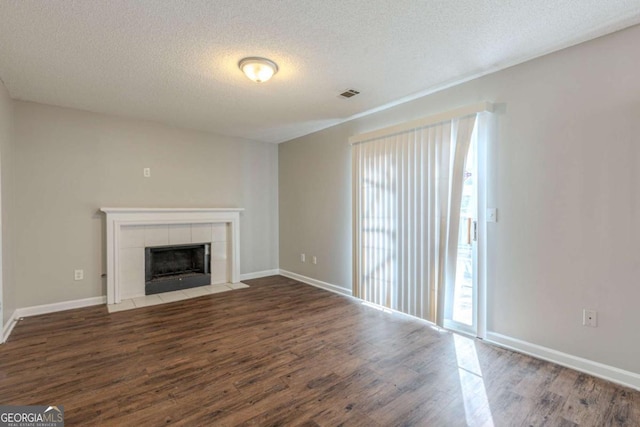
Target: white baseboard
[8, 326]
[47, 308]
[600, 370]
[317, 283]
[259, 274]
[59, 306]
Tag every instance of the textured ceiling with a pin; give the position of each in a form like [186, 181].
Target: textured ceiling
[176, 61]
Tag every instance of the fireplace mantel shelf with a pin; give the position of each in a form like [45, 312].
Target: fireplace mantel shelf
[117, 218]
[147, 210]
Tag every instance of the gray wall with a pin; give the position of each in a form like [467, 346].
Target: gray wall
[6, 179]
[315, 205]
[69, 163]
[566, 183]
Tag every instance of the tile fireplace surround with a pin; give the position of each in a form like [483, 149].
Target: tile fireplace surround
[130, 230]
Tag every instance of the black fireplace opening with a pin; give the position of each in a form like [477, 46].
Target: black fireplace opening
[171, 268]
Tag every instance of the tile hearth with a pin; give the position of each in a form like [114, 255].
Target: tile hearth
[166, 297]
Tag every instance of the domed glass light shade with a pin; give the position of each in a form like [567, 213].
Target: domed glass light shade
[258, 69]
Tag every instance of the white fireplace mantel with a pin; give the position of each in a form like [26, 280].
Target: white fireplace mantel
[120, 217]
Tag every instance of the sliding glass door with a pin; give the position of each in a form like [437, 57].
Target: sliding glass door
[417, 223]
[461, 300]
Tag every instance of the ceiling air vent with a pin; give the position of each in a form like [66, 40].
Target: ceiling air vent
[349, 93]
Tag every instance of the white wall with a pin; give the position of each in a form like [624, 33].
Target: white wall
[6, 179]
[566, 182]
[69, 163]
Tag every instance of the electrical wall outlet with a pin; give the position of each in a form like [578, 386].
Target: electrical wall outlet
[589, 318]
[146, 172]
[303, 258]
[78, 274]
[314, 260]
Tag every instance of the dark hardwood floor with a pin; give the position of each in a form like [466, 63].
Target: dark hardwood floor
[285, 353]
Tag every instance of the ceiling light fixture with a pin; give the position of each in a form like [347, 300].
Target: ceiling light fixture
[258, 69]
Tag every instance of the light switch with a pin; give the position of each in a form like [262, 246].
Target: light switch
[492, 215]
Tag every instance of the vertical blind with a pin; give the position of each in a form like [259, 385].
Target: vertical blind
[407, 192]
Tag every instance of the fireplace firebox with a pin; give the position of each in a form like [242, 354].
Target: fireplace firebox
[171, 268]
